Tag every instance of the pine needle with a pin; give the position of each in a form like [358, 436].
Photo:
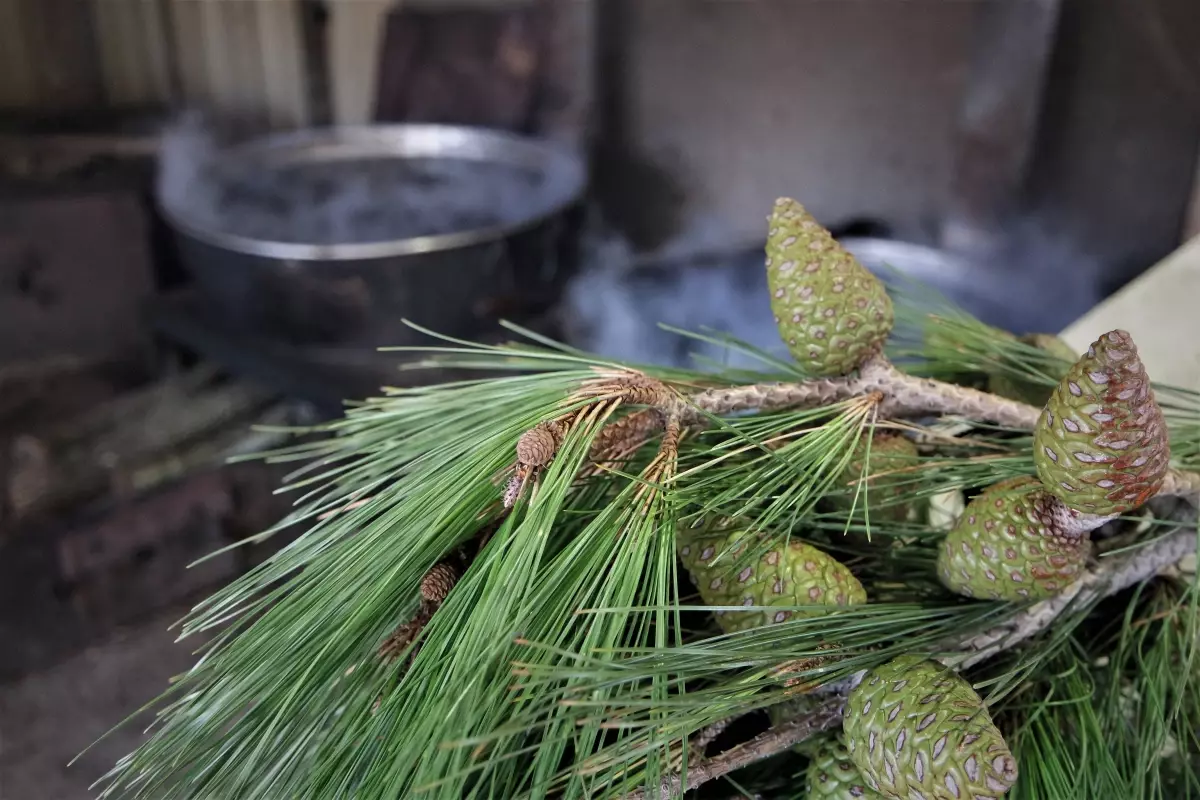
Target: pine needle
[569, 659]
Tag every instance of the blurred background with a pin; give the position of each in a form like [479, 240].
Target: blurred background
[212, 212]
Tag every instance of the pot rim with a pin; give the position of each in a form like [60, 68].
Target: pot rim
[564, 170]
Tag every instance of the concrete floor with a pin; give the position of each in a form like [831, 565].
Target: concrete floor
[46, 719]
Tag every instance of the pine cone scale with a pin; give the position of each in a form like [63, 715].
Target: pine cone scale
[791, 574]
[831, 775]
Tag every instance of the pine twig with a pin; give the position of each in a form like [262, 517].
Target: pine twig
[1182, 483]
[775, 740]
[903, 396]
[900, 395]
[435, 588]
[1111, 576]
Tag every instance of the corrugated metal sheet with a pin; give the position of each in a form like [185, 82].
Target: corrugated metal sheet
[242, 59]
[134, 54]
[48, 56]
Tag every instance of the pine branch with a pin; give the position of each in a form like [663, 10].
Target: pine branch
[897, 394]
[1111, 576]
[903, 396]
[777, 739]
[587, 569]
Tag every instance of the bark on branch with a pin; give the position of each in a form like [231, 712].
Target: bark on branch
[904, 396]
[776, 740]
[1182, 483]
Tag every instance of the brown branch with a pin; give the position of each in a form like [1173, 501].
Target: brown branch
[700, 742]
[1112, 575]
[901, 395]
[904, 396]
[779, 738]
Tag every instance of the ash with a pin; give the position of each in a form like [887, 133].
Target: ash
[347, 201]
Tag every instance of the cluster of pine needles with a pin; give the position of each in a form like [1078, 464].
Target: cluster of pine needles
[572, 658]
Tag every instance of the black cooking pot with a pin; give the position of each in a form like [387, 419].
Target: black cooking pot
[335, 236]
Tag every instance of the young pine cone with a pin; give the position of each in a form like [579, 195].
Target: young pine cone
[438, 582]
[1009, 544]
[832, 313]
[1101, 444]
[794, 574]
[916, 729]
[832, 775]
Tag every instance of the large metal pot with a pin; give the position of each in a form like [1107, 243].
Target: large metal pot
[322, 290]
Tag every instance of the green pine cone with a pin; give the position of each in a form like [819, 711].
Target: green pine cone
[1007, 545]
[1026, 391]
[792, 575]
[832, 775]
[1101, 444]
[831, 311]
[916, 729]
[886, 487]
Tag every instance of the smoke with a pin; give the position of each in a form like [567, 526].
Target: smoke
[186, 151]
[1045, 278]
[358, 194]
[618, 302]
[1038, 280]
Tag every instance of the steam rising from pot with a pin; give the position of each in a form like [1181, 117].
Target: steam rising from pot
[337, 195]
